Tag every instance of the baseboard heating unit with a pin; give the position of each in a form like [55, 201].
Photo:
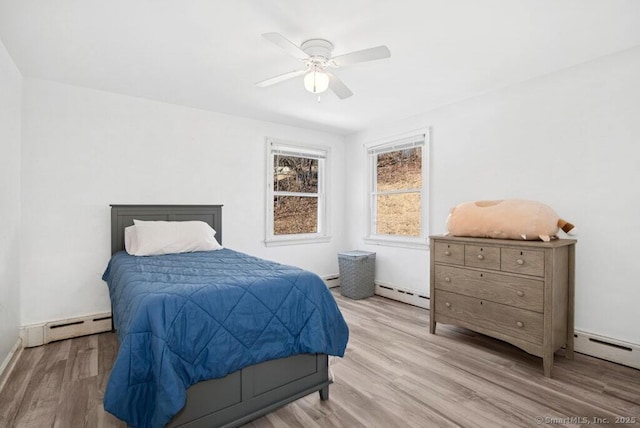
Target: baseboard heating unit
[39, 334]
[331, 280]
[615, 350]
[404, 295]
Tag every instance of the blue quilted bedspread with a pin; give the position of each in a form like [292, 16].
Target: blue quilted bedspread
[183, 318]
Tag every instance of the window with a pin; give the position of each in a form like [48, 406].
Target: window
[398, 191]
[296, 194]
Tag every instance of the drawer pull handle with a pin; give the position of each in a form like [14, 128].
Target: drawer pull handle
[480, 257]
[447, 253]
[447, 279]
[520, 261]
[520, 293]
[520, 324]
[448, 305]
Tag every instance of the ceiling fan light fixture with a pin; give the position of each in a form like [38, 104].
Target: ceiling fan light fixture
[319, 60]
[316, 81]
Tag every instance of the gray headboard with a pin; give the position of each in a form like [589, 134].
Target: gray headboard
[123, 215]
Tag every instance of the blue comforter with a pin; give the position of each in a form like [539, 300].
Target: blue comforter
[184, 318]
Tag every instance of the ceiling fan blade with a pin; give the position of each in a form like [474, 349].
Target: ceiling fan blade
[370, 54]
[338, 87]
[280, 78]
[285, 44]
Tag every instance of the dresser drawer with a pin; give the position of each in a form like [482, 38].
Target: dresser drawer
[449, 253]
[510, 321]
[526, 262]
[506, 289]
[482, 257]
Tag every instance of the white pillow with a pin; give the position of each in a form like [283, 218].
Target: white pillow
[152, 238]
[130, 239]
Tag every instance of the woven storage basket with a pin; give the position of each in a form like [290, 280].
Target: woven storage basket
[357, 270]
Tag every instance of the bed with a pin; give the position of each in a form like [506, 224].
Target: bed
[163, 348]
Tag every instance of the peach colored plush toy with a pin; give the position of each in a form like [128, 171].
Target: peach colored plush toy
[506, 219]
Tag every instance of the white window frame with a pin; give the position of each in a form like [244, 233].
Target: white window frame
[418, 138]
[322, 153]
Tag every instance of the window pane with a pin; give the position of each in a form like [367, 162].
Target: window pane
[294, 174]
[398, 214]
[401, 169]
[295, 214]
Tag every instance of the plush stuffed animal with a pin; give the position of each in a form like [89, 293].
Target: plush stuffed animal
[506, 219]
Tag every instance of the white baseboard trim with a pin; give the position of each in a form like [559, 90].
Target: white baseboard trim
[404, 295]
[9, 363]
[606, 348]
[40, 334]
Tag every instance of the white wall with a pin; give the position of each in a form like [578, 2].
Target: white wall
[569, 139]
[85, 149]
[10, 113]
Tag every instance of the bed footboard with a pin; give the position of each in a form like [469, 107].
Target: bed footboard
[254, 391]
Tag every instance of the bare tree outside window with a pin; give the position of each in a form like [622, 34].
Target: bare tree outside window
[295, 190]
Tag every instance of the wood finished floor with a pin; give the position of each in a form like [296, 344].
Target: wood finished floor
[394, 374]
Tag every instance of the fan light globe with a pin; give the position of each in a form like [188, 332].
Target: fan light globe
[316, 82]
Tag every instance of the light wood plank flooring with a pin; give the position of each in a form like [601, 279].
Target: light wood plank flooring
[394, 374]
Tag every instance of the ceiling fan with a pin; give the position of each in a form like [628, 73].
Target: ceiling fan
[317, 59]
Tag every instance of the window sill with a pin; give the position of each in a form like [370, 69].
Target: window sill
[274, 242]
[415, 244]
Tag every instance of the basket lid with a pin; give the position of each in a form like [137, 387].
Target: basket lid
[357, 254]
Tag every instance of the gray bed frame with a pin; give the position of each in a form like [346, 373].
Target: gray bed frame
[248, 393]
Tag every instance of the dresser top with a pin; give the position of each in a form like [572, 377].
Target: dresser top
[554, 243]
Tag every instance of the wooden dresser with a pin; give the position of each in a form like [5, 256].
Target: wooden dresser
[521, 292]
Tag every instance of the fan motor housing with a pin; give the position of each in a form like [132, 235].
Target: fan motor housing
[318, 48]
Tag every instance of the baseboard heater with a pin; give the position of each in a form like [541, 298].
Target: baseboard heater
[331, 280]
[608, 349]
[403, 295]
[39, 334]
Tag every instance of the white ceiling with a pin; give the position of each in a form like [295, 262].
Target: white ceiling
[209, 53]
